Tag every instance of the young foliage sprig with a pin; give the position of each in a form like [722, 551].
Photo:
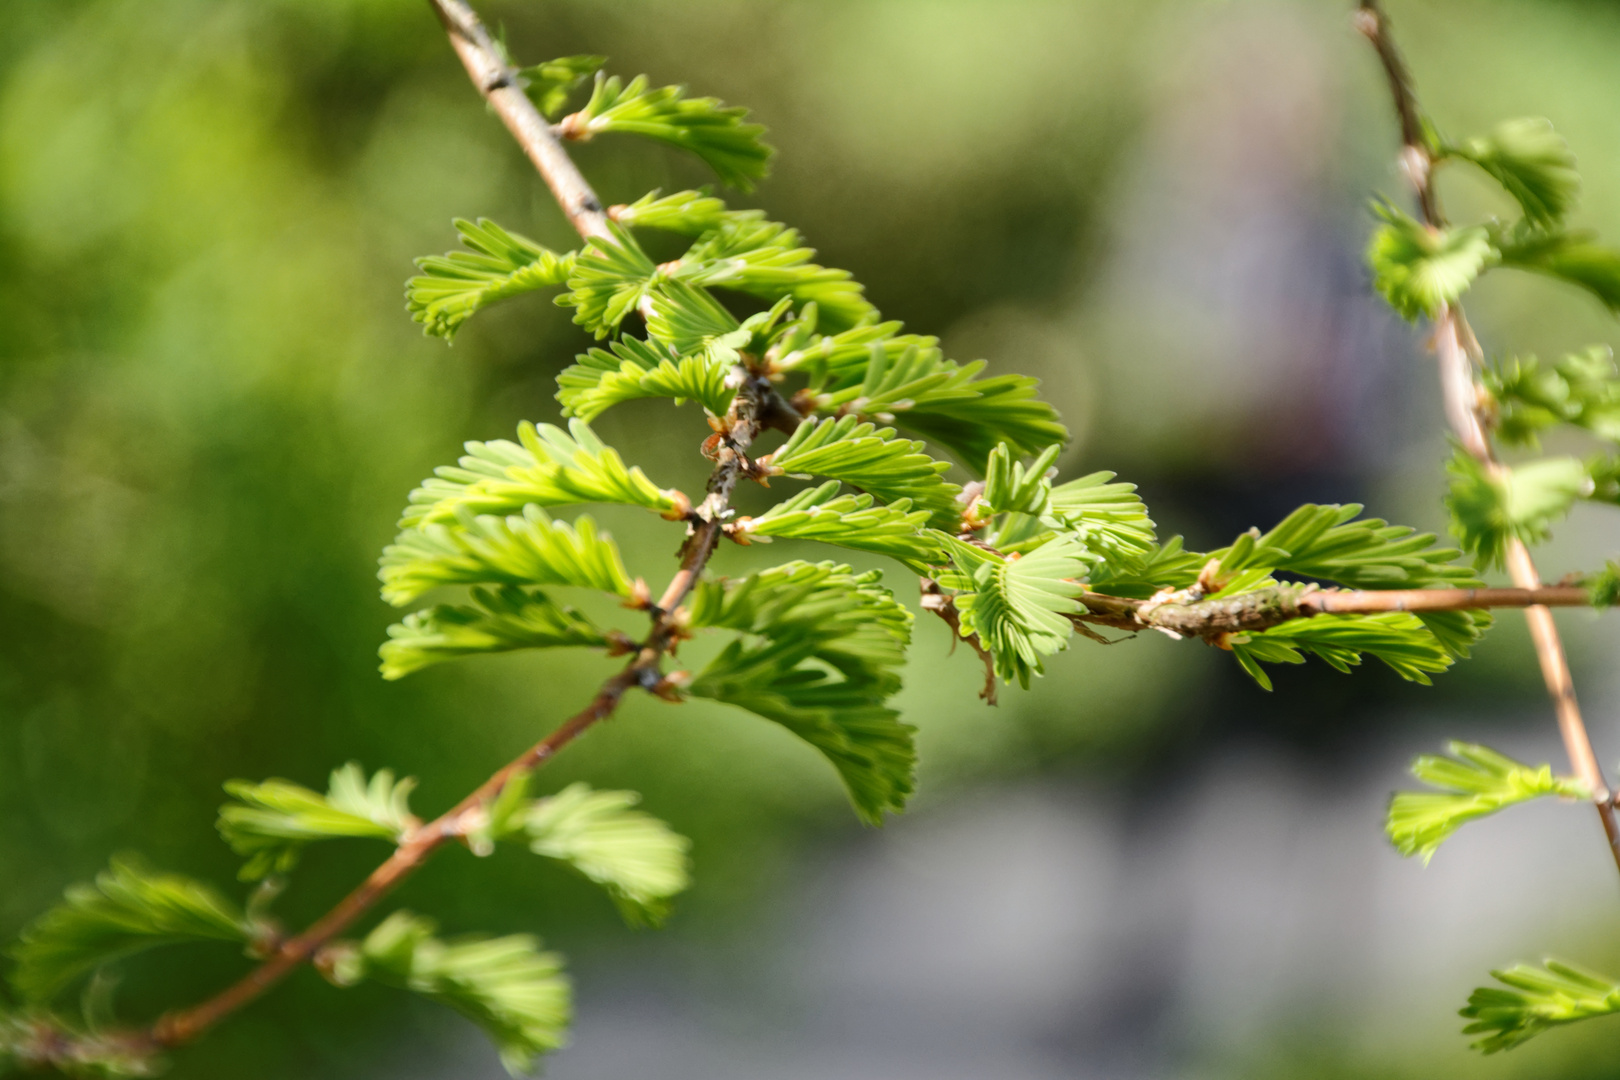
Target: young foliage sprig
[453, 287]
[1535, 999]
[129, 908]
[545, 467]
[1474, 782]
[820, 655]
[506, 985]
[721, 135]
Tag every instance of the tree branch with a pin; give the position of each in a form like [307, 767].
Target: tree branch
[502, 87]
[756, 402]
[1273, 606]
[1455, 349]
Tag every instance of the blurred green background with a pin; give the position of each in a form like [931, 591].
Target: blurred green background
[212, 407]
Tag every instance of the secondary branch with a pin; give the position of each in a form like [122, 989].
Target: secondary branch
[1455, 348]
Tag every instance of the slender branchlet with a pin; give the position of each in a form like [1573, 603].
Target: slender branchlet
[1457, 350]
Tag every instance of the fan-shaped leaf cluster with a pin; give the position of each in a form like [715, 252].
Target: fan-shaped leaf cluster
[1019, 607]
[1582, 389]
[455, 286]
[820, 656]
[1419, 269]
[545, 467]
[634, 856]
[521, 549]
[1572, 257]
[872, 460]
[269, 823]
[505, 985]
[904, 379]
[1491, 505]
[849, 521]
[128, 909]
[629, 369]
[1534, 1000]
[1532, 162]
[720, 135]
[1399, 639]
[498, 620]
[1475, 781]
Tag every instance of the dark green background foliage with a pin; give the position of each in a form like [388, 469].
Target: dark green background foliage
[213, 407]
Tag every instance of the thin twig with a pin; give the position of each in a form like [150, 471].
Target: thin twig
[941, 603]
[1264, 608]
[1455, 349]
[502, 87]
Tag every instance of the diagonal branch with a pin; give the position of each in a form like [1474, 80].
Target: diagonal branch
[1455, 348]
[756, 406]
[502, 87]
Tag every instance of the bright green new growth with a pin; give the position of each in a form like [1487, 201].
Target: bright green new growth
[718, 134]
[820, 656]
[849, 521]
[269, 823]
[1533, 164]
[1019, 606]
[1573, 258]
[1535, 1001]
[505, 985]
[904, 379]
[1420, 270]
[1330, 542]
[497, 620]
[1582, 389]
[1490, 508]
[522, 549]
[1399, 639]
[609, 281]
[871, 460]
[129, 909]
[1014, 564]
[1603, 587]
[546, 467]
[455, 286]
[1475, 782]
[629, 369]
[634, 856]
[549, 85]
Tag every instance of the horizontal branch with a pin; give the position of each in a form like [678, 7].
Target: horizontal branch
[1188, 616]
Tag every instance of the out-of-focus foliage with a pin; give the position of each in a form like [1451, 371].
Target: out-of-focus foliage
[269, 823]
[506, 985]
[1474, 782]
[128, 909]
[1534, 1001]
